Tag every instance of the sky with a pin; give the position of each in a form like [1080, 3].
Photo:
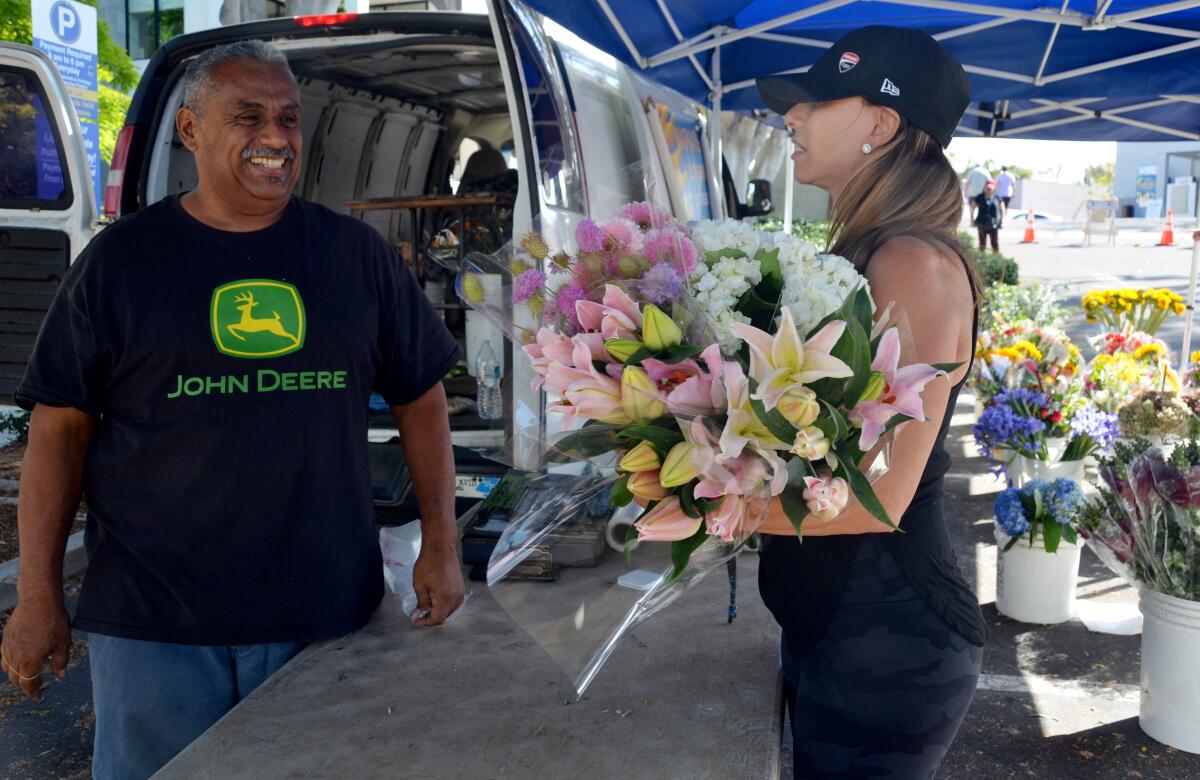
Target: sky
[1056, 161]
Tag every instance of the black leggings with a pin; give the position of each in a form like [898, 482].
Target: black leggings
[884, 692]
[984, 234]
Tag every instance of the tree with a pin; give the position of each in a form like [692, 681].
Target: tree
[1099, 177]
[116, 73]
[994, 167]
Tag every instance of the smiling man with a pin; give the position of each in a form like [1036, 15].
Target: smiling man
[203, 377]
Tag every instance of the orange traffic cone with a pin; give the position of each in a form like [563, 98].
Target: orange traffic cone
[1168, 236]
[1029, 239]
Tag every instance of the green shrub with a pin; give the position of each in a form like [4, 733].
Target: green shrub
[815, 231]
[14, 423]
[997, 269]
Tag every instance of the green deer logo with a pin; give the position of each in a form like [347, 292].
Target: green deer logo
[257, 318]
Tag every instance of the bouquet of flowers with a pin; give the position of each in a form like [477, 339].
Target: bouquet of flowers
[1028, 423]
[1129, 309]
[1145, 523]
[1051, 507]
[1026, 355]
[1113, 379]
[1193, 369]
[700, 373]
[1155, 414]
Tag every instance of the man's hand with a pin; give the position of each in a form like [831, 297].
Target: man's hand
[36, 631]
[424, 427]
[438, 582]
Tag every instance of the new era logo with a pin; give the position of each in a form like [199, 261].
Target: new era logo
[890, 88]
[847, 61]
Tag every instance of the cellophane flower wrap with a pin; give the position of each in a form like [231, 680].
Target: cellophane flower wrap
[700, 375]
[1145, 522]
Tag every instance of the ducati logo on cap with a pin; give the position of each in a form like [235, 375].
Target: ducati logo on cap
[848, 61]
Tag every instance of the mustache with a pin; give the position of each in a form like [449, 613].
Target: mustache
[267, 151]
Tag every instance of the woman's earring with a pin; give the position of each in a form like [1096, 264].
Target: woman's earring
[866, 148]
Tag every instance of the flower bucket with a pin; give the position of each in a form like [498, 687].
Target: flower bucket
[1022, 469]
[1170, 708]
[1034, 586]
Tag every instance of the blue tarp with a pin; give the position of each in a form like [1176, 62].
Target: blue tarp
[1003, 60]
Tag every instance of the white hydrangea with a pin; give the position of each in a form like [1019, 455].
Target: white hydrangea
[815, 284]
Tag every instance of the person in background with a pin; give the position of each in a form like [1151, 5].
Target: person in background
[1006, 183]
[216, 417]
[976, 178]
[989, 216]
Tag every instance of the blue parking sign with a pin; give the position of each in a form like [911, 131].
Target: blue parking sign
[66, 31]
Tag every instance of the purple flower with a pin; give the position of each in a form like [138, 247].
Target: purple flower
[661, 284]
[525, 285]
[1099, 425]
[568, 295]
[1001, 426]
[589, 237]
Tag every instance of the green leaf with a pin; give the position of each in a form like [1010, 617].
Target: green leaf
[854, 349]
[1052, 533]
[717, 254]
[792, 497]
[768, 261]
[661, 438]
[620, 491]
[1012, 541]
[679, 353]
[681, 551]
[949, 368]
[861, 487]
[687, 502]
[1070, 535]
[841, 425]
[638, 356]
[775, 422]
[860, 308]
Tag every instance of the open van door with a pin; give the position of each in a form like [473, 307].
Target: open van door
[47, 206]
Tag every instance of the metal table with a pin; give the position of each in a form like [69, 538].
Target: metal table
[685, 695]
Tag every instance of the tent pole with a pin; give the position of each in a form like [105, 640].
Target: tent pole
[789, 194]
[1185, 358]
[716, 128]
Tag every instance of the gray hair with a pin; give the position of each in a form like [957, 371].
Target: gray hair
[198, 81]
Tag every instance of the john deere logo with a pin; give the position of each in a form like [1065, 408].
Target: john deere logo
[257, 318]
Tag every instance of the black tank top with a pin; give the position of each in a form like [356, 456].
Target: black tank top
[801, 583]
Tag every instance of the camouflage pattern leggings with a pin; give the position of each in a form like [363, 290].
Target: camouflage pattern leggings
[882, 695]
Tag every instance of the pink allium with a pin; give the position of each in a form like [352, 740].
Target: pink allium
[645, 215]
[670, 247]
[589, 237]
[525, 285]
[621, 235]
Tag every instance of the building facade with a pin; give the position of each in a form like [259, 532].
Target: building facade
[1152, 177]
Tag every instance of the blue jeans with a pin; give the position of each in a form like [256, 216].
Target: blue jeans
[153, 698]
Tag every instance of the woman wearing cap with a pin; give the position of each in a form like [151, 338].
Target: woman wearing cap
[882, 637]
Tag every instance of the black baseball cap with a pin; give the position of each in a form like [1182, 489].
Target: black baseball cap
[897, 67]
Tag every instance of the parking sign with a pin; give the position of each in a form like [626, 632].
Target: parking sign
[66, 31]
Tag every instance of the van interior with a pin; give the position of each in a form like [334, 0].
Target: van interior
[382, 120]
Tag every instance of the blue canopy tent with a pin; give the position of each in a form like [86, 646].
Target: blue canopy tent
[1123, 70]
[1036, 72]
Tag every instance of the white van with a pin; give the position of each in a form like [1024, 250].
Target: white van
[402, 105]
[47, 209]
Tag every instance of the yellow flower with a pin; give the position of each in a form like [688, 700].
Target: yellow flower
[1029, 349]
[659, 331]
[1154, 350]
[678, 467]
[640, 458]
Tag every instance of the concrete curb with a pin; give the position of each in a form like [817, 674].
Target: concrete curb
[74, 562]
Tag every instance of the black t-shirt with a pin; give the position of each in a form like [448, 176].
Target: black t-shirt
[988, 214]
[228, 489]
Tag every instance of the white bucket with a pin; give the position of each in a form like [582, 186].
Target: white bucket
[1022, 470]
[1034, 586]
[1170, 711]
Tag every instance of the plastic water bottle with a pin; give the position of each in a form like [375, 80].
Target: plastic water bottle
[490, 401]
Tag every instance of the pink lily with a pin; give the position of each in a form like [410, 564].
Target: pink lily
[826, 498]
[901, 391]
[742, 426]
[588, 393]
[549, 347]
[666, 522]
[783, 361]
[617, 316]
[704, 392]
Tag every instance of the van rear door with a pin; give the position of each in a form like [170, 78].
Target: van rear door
[47, 209]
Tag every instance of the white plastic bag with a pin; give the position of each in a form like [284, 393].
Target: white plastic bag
[400, 546]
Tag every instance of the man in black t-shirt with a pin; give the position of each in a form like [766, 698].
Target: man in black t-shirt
[989, 216]
[203, 377]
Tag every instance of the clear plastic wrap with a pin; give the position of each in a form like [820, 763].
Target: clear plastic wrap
[654, 397]
[1145, 523]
